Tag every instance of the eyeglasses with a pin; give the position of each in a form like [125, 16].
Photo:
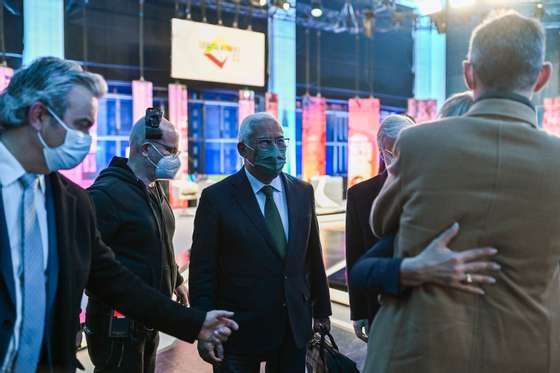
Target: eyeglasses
[170, 150]
[265, 143]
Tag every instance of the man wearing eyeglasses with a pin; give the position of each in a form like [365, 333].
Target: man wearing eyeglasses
[256, 250]
[136, 221]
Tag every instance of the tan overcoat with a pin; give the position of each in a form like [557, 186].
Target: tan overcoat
[497, 175]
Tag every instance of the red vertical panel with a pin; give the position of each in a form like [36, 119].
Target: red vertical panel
[313, 137]
[271, 101]
[6, 74]
[551, 116]
[246, 104]
[141, 98]
[178, 115]
[363, 124]
[422, 110]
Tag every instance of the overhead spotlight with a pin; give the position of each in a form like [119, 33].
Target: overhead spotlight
[283, 4]
[258, 3]
[369, 22]
[397, 18]
[440, 21]
[316, 9]
[539, 11]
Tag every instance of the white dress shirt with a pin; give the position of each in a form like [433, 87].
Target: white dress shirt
[12, 194]
[279, 198]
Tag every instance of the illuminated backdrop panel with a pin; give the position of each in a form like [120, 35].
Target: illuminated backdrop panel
[200, 51]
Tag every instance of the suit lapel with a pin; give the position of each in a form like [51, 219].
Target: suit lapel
[52, 267]
[5, 254]
[293, 203]
[248, 203]
[65, 212]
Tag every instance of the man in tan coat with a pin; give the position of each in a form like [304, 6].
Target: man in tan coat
[498, 175]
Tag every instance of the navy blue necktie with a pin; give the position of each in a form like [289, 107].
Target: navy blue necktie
[32, 282]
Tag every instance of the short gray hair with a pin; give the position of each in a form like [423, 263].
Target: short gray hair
[456, 105]
[507, 51]
[47, 80]
[391, 127]
[248, 125]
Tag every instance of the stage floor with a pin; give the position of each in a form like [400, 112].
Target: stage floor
[176, 356]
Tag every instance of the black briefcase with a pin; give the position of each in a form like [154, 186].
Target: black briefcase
[323, 356]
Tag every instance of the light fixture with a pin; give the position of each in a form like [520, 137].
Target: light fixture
[397, 18]
[316, 9]
[283, 4]
[539, 11]
[347, 20]
[369, 22]
[440, 21]
[257, 3]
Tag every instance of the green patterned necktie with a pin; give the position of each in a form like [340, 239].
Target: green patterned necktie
[273, 221]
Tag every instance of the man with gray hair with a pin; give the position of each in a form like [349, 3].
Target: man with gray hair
[256, 251]
[359, 237]
[494, 172]
[50, 248]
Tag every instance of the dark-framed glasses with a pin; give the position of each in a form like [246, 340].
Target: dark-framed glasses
[265, 143]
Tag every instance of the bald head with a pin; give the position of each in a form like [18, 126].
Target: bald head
[138, 136]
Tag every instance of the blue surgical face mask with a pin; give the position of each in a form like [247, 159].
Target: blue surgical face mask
[270, 161]
[167, 166]
[71, 153]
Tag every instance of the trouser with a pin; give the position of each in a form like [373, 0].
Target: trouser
[287, 359]
[133, 354]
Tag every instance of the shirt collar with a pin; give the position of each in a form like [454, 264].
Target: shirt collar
[257, 185]
[11, 170]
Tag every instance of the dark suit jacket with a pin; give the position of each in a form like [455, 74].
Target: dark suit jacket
[359, 239]
[377, 272]
[234, 265]
[85, 261]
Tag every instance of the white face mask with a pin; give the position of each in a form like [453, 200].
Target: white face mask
[167, 166]
[71, 153]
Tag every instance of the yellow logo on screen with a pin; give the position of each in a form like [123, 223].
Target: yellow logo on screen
[219, 52]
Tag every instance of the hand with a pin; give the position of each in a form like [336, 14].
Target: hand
[322, 326]
[210, 352]
[440, 265]
[361, 329]
[215, 330]
[182, 293]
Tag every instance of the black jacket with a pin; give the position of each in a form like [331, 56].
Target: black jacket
[137, 223]
[359, 239]
[234, 265]
[85, 261]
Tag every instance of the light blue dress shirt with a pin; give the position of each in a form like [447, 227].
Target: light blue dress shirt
[12, 194]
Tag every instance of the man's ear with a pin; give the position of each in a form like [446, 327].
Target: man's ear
[544, 76]
[242, 149]
[468, 75]
[35, 115]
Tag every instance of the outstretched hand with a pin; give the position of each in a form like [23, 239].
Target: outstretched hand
[215, 330]
[438, 264]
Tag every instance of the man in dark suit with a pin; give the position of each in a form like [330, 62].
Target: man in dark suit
[256, 251]
[50, 248]
[359, 237]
